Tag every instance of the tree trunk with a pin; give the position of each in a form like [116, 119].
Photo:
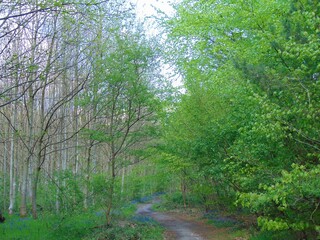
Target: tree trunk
[111, 192]
[34, 193]
[4, 170]
[57, 179]
[12, 194]
[184, 191]
[24, 184]
[26, 164]
[122, 180]
[87, 186]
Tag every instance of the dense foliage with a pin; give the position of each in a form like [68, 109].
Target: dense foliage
[79, 103]
[247, 130]
[88, 122]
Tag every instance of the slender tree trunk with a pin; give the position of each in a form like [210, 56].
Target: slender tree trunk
[122, 179]
[12, 194]
[75, 112]
[26, 164]
[12, 163]
[57, 179]
[87, 187]
[30, 177]
[34, 193]
[4, 170]
[44, 123]
[40, 160]
[24, 184]
[184, 191]
[111, 191]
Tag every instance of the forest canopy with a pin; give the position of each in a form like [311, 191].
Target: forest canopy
[248, 127]
[90, 121]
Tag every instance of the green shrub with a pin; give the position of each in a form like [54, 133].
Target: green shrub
[128, 231]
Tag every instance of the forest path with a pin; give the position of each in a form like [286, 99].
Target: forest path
[180, 226]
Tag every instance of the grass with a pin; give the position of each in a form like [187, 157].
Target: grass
[217, 219]
[85, 225]
[77, 226]
[49, 227]
[273, 235]
[15, 228]
[128, 226]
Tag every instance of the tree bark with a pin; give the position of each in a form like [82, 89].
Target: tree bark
[111, 192]
[12, 195]
[87, 186]
[4, 169]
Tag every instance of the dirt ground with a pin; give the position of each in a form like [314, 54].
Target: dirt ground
[182, 226]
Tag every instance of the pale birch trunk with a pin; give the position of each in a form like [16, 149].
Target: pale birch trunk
[122, 180]
[44, 125]
[5, 158]
[87, 186]
[27, 165]
[12, 195]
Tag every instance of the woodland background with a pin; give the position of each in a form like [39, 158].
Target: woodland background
[90, 121]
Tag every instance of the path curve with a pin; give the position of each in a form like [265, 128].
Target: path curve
[177, 229]
[181, 227]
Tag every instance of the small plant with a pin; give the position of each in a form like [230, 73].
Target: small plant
[129, 230]
[273, 235]
[76, 226]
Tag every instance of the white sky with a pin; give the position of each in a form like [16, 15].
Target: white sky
[147, 8]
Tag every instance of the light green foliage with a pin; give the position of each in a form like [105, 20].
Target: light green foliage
[74, 222]
[100, 185]
[69, 194]
[124, 102]
[89, 90]
[144, 180]
[248, 124]
[290, 203]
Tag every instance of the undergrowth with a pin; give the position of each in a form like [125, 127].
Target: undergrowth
[81, 225]
[127, 231]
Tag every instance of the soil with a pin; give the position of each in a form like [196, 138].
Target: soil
[181, 226]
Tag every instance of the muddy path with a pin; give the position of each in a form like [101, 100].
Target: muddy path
[180, 226]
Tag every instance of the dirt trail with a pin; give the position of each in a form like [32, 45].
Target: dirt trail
[182, 227]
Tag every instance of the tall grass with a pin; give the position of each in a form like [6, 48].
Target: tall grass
[80, 225]
[25, 228]
[49, 227]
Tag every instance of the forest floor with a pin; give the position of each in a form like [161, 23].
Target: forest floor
[182, 226]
